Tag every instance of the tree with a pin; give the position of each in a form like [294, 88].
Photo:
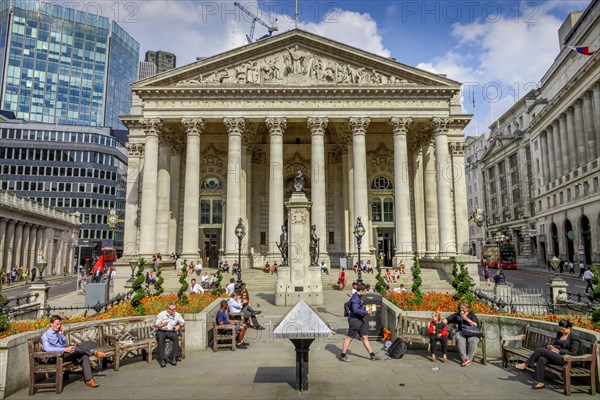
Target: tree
[138, 288]
[182, 293]
[158, 289]
[3, 317]
[596, 295]
[462, 281]
[218, 289]
[417, 281]
[380, 285]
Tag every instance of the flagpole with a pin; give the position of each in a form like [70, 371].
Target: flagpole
[296, 14]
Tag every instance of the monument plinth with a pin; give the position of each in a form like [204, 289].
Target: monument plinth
[301, 277]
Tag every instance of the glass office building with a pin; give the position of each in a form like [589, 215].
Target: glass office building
[64, 66]
[72, 168]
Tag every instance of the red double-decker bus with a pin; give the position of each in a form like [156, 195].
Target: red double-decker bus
[496, 256]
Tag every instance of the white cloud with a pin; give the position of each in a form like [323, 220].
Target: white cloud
[507, 54]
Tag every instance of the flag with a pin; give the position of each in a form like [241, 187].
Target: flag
[585, 50]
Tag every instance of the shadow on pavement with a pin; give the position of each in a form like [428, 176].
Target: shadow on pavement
[276, 374]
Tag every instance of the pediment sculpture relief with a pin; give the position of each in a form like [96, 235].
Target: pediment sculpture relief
[294, 66]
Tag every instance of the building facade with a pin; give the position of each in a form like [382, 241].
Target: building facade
[224, 137]
[63, 66]
[475, 147]
[163, 60]
[565, 132]
[146, 70]
[73, 169]
[30, 231]
[540, 168]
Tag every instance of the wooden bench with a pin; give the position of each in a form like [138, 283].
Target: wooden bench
[225, 336]
[582, 365]
[134, 337]
[46, 363]
[415, 330]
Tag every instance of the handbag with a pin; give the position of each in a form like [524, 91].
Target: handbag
[471, 331]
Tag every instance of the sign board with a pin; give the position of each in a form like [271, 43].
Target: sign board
[532, 232]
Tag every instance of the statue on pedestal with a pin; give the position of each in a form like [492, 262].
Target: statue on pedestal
[314, 245]
[283, 244]
[299, 182]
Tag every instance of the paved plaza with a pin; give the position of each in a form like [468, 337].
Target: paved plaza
[267, 371]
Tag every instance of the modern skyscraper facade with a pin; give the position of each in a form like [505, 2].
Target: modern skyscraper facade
[72, 168]
[64, 66]
[163, 59]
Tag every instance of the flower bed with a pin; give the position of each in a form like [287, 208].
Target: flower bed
[445, 303]
[152, 306]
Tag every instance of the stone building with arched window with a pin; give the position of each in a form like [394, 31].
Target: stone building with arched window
[223, 138]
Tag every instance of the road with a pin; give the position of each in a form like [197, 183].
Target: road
[58, 286]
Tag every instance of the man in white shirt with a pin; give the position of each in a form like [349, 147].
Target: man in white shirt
[168, 323]
[198, 268]
[229, 289]
[587, 278]
[195, 287]
[234, 303]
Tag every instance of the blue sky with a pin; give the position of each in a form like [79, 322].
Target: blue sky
[498, 49]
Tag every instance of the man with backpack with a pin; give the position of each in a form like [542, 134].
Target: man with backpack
[356, 324]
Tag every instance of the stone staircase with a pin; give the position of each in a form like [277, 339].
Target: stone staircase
[257, 280]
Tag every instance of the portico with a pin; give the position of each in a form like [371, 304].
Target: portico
[223, 138]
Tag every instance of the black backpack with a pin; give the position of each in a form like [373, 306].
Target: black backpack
[347, 309]
[397, 349]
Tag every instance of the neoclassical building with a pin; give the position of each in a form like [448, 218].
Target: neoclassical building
[223, 138]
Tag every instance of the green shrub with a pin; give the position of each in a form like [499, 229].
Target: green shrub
[181, 294]
[380, 285]
[158, 288]
[139, 292]
[218, 289]
[417, 281]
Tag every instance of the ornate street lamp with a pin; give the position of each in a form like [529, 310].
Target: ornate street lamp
[359, 232]
[240, 232]
[41, 266]
[555, 262]
[499, 238]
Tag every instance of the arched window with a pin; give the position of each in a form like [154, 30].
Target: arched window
[211, 184]
[382, 183]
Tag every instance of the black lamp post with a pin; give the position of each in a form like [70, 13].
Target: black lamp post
[359, 232]
[240, 232]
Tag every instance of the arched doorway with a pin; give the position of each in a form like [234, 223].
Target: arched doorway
[586, 239]
[569, 237]
[383, 217]
[554, 234]
[211, 220]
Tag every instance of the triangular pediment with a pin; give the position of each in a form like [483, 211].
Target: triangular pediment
[296, 58]
[498, 144]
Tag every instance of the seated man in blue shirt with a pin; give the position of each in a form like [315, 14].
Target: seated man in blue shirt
[55, 340]
[240, 327]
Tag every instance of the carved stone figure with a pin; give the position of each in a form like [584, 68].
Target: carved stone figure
[299, 182]
[314, 245]
[283, 244]
[297, 59]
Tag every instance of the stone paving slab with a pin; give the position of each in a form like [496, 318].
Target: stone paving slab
[267, 371]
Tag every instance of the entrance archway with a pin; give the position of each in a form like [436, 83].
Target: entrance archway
[586, 239]
[554, 234]
[569, 237]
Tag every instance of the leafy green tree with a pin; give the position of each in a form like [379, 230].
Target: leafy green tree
[3, 317]
[417, 281]
[380, 285]
[138, 288]
[455, 271]
[463, 282]
[182, 293]
[158, 288]
[218, 289]
[596, 295]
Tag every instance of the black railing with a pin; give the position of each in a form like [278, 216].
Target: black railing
[19, 301]
[98, 307]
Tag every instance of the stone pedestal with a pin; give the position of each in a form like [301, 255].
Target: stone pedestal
[42, 290]
[558, 289]
[298, 280]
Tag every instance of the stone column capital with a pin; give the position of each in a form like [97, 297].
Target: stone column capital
[235, 125]
[399, 125]
[193, 126]
[276, 125]
[578, 103]
[570, 110]
[359, 125]
[457, 148]
[440, 125]
[317, 125]
[152, 126]
[555, 123]
[135, 149]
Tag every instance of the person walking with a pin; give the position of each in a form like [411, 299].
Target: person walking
[587, 278]
[581, 268]
[356, 324]
[571, 268]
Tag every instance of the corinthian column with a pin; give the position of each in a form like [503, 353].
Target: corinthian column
[588, 119]
[596, 107]
[191, 201]
[163, 197]
[432, 235]
[276, 128]
[459, 186]
[552, 153]
[152, 128]
[3, 263]
[235, 127]
[444, 195]
[574, 163]
[580, 133]
[135, 152]
[404, 240]
[10, 244]
[317, 128]
[561, 125]
[359, 127]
